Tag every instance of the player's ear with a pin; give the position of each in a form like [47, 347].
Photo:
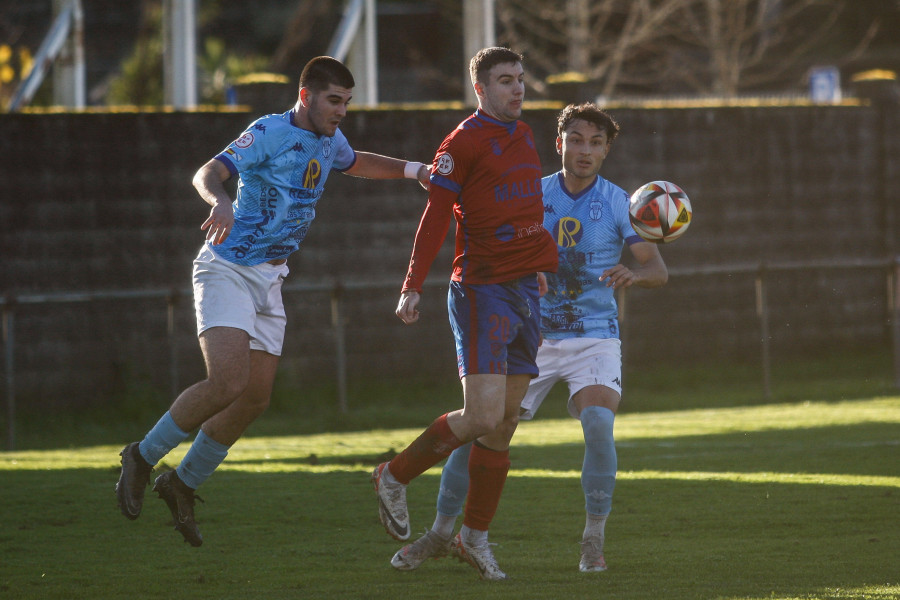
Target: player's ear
[559, 142]
[479, 89]
[304, 97]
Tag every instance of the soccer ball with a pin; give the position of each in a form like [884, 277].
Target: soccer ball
[660, 212]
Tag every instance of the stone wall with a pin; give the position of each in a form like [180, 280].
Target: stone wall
[103, 202]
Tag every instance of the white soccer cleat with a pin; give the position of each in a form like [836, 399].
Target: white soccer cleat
[391, 505]
[430, 545]
[592, 560]
[481, 557]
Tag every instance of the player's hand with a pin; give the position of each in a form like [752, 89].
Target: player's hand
[618, 276]
[406, 308]
[424, 177]
[219, 223]
[542, 284]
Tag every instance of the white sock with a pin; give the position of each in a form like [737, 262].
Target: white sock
[443, 525]
[473, 537]
[594, 526]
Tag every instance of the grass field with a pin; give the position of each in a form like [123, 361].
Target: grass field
[785, 500]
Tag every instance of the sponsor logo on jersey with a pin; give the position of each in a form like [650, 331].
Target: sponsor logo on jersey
[245, 141]
[445, 164]
[517, 190]
[313, 174]
[260, 127]
[298, 147]
[568, 232]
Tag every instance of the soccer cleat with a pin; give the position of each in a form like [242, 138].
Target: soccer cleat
[430, 545]
[180, 500]
[592, 555]
[391, 505]
[133, 481]
[480, 557]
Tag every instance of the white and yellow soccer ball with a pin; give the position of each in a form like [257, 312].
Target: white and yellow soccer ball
[660, 212]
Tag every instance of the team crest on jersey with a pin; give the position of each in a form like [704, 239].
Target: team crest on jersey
[245, 141]
[568, 232]
[326, 147]
[445, 164]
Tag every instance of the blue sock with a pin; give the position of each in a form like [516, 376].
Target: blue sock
[598, 474]
[160, 440]
[204, 456]
[454, 482]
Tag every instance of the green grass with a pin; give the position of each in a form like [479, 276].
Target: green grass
[792, 500]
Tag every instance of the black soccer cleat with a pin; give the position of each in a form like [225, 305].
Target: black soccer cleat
[133, 481]
[180, 500]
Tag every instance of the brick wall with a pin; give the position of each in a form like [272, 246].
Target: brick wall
[104, 202]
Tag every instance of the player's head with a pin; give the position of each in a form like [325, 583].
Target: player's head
[499, 81]
[589, 112]
[326, 87]
[324, 70]
[585, 135]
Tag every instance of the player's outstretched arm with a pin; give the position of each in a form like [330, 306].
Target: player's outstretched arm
[376, 166]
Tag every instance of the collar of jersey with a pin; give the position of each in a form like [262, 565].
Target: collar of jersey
[576, 197]
[510, 126]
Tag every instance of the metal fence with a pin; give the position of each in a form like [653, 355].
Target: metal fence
[336, 289]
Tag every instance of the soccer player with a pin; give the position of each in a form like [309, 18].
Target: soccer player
[487, 174]
[588, 218]
[282, 162]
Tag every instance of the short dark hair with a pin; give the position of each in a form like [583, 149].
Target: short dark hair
[486, 58]
[322, 71]
[587, 111]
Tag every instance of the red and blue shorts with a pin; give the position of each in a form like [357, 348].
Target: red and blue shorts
[496, 326]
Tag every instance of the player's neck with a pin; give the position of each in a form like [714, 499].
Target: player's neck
[575, 185]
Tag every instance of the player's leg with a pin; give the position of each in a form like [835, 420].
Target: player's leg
[212, 443]
[488, 469]
[470, 309]
[226, 352]
[598, 405]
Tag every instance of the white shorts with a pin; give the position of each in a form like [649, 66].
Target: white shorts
[579, 362]
[248, 298]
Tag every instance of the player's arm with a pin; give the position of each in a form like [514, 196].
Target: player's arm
[208, 181]
[429, 238]
[376, 166]
[651, 271]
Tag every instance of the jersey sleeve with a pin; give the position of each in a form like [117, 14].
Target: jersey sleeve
[430, 236]
[252, 148]
[620, 203]
[452, 162]
[346, 156]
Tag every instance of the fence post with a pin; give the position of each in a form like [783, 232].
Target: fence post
[894, 298]
[9, 371]
[171, 304]
[340, 347]
[762, 311]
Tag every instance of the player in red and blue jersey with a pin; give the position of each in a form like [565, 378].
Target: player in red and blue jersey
[487, 175]
[588, 217]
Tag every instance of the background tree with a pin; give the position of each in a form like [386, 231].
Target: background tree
[692, 46]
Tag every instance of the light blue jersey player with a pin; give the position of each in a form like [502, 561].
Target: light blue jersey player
[282, 170]
[588, 217]
[282, 162]
[590, 228]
